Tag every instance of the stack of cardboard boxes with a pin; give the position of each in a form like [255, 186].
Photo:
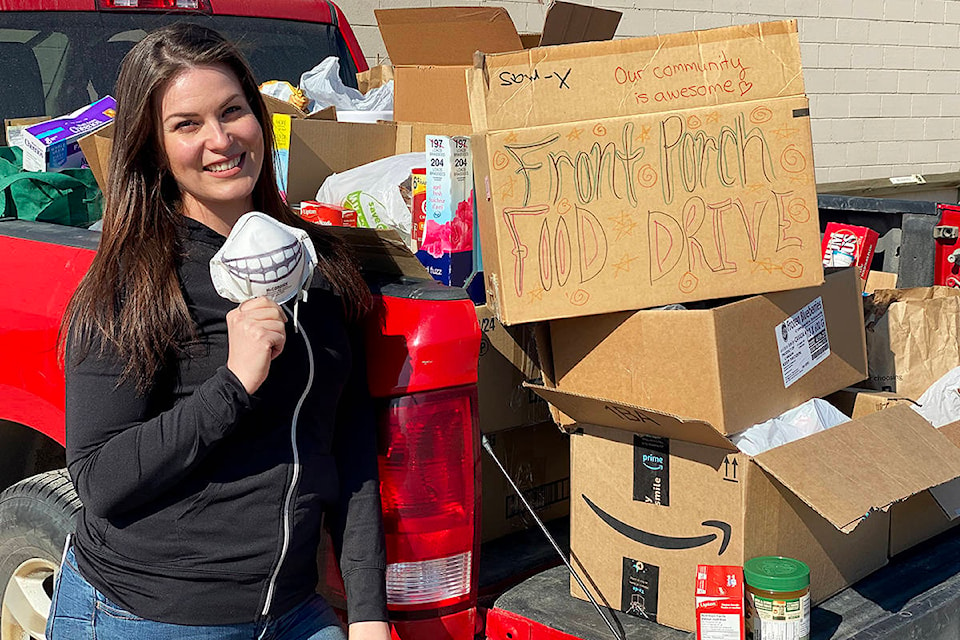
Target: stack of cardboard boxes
[632, 174]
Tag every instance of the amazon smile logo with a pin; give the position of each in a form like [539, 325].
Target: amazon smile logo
[665, 542]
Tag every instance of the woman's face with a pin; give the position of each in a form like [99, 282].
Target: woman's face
[213, 144]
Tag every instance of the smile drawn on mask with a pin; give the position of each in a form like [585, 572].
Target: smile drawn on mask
[266, 267]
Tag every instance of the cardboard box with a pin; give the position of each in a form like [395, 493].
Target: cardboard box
[537, 457]
[508, 358]
[13, 128]
[629, 174]
[670, 493]
[96, 149]
[880, 280]
[732, 365]
[431, 49]
[53, 145]
[858, 403]
[926, 514]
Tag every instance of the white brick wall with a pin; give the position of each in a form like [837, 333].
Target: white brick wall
[883, 76]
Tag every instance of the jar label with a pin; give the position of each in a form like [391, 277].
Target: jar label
[770, 619]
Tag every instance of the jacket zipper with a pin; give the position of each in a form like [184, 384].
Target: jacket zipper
[292, 489]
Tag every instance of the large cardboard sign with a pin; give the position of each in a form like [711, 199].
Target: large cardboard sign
[623, 175]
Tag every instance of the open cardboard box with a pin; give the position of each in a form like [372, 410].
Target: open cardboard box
[629, 174]
[537, 457]
[921, 516]
[431, 49]
[732, 365]
[653, 495]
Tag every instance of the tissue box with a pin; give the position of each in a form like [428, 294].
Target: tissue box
[54, 145]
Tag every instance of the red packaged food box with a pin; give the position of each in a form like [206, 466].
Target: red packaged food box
[845, 245]
[719, 596]
[419, 204]
[329, 215]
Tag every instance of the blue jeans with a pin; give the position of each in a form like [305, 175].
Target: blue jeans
[80, 612]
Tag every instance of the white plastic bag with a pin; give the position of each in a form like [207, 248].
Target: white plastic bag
[324, 88]
[373, 191]
[940, 404]
[809, 418]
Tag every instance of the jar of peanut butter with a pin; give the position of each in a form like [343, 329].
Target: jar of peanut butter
[778, 599]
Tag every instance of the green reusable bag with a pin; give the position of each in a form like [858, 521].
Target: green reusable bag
[70, 197]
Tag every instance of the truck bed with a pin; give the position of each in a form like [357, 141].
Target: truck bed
[916, 596]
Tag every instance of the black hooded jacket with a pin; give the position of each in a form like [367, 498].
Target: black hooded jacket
[202, 504]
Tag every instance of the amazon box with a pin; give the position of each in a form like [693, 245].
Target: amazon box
[732, 365]
[432, 48]
[654, 495]
[622, 175]
[537, 457]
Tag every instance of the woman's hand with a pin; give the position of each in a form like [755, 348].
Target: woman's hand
[369, 631]
[256, 335]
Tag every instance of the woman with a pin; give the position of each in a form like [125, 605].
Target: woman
[204, 482]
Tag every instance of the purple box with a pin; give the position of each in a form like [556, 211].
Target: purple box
[54, 145]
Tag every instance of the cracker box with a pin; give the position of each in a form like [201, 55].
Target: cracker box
[54, 145]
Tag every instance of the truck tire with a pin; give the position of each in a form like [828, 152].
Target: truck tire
[36, 514]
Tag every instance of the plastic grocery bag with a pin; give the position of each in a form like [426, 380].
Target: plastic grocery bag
[373, 191]
[809, 418]
[940, 404]
[324, 88]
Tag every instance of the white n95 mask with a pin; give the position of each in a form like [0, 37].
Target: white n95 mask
[263, 257]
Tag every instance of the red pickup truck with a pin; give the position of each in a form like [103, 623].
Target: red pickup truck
[426, 337]
[65, 53]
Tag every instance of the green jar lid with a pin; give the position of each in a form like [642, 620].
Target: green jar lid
[775, 573]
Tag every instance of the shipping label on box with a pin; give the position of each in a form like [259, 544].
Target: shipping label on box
[712, 198]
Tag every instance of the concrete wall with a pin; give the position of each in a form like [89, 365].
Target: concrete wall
[883, 76]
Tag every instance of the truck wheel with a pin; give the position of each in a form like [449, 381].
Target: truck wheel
[36, 515]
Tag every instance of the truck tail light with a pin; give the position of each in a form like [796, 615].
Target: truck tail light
[430, 487]
[153, 5]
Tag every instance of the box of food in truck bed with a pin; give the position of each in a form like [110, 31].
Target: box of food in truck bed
[537, 457]
[732, 365]
[431, 49]
[924, 515]
[53, 145]
[912, 338]
[628, 174]
[508, 358]
[666, 493]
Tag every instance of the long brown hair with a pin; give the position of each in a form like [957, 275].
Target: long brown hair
[131, 297]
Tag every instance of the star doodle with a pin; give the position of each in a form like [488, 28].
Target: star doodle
[753, 188]
[713, 116]
[506, 189]
[574, 133]
[785, 132]
[624, 224]
[511, 137]
[624, 265]
[536, 295]
[644, 133]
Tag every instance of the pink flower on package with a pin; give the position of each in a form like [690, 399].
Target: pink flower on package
[436, 238]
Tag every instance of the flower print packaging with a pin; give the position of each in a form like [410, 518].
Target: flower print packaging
[446, 248]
